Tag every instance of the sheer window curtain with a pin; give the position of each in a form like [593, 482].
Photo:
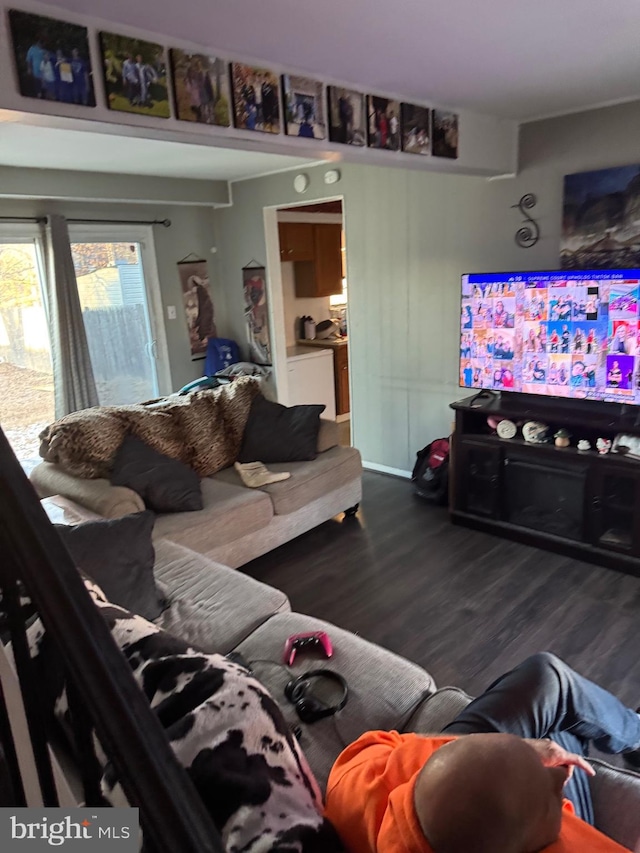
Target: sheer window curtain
[74, 383]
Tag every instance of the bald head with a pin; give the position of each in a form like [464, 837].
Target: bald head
[488, 793]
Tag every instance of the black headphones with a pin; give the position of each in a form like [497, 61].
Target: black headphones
[309, 708]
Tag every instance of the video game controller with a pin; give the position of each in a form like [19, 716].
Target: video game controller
[306, 641]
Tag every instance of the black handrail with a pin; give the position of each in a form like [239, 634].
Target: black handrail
[173, 817]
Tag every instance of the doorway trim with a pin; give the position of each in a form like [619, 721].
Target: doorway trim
[276, 296]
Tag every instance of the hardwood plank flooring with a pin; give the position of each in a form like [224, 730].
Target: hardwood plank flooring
[463, 604]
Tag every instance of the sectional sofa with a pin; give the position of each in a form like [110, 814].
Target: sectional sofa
[236, 524]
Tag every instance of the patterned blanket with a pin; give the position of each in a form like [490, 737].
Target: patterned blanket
[203, 429]
[224, 728]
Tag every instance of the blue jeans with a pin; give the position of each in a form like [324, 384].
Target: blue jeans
[545, 698]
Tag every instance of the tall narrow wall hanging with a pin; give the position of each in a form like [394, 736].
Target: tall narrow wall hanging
[198, 305]
[256, 310]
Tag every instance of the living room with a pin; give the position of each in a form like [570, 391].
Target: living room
[464, 604]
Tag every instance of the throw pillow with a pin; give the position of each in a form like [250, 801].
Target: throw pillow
[225, 729]
[275, 433]
[163, 483]
[118, 554]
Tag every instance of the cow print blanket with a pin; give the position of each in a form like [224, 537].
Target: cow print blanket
[226, 731]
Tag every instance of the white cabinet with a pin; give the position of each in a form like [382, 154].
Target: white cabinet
[310, 373]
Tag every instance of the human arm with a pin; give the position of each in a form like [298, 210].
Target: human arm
[552, 754]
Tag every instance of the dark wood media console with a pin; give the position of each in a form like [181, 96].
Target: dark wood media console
[578, 503]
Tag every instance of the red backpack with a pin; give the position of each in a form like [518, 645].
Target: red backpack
[431, 472]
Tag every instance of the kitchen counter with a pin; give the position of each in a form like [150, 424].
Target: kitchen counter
[304, 352]
[326, 342]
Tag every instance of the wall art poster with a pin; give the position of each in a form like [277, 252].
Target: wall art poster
[201, 87]
[384, 123]
[416, 129]
[347, 116]
[257, 313]
[256, 104]
[445, 134]
[198, 305]
[52, 59]
[601, 219]
[303, 107]
[135, 75]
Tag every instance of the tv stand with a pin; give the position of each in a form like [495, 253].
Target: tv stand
[581, 504]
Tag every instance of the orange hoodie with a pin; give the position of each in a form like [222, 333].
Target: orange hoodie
[370, 799]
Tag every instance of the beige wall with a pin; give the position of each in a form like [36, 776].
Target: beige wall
[410, 236]
[192, 230]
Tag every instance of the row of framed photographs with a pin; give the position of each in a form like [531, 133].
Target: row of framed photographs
[53, 63]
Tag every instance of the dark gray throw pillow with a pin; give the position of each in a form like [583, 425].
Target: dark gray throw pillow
[275, 433]
[163, 483]
[118, 554]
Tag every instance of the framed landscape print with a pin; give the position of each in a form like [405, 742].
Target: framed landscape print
[384, 123]
[304, 112]
[135, 75]
[347, 117]
[600, 222]
[256, 103]
[200, 88]
[52, 59]
[445, 134]
[416, 129]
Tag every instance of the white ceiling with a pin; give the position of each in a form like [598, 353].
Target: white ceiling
[54, 148]
[512, 58]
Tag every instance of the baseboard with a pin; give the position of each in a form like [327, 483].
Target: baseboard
[385, 469]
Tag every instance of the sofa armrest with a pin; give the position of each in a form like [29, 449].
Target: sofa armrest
[97, 495]
[616, 803]
[328, 436]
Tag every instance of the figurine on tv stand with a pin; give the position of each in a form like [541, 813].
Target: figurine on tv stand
[562, 438]
[603, 445]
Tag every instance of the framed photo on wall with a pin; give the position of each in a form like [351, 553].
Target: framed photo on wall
[52, 59]
[445, 134]
[135, 75]
[384, 123]
[256, 102]
[304, 112]
[416, 129]
[347, 116]
[200, 88]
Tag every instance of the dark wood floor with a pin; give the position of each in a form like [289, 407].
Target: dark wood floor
[465, 605]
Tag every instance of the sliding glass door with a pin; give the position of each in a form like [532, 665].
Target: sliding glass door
[122, 313]
[26, 378]
[120, 301]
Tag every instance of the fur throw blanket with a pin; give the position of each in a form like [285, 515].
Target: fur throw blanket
[203, 429]
[224, 728]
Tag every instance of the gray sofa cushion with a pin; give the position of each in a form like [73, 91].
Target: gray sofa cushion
[383, 688]
[230, 512]
[308, 481]
[616, 803]
[437, 710]
[210, 605]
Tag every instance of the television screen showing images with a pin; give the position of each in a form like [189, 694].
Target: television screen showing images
[561, 334]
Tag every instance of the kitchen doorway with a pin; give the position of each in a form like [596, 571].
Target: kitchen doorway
[313, 273]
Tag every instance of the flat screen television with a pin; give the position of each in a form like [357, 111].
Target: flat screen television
[561, 334]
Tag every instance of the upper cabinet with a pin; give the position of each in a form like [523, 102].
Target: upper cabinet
[296, 241]
[317, 256]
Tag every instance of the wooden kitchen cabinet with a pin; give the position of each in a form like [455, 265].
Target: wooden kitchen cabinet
[316, 254]
[341, 374]
[296, 241]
